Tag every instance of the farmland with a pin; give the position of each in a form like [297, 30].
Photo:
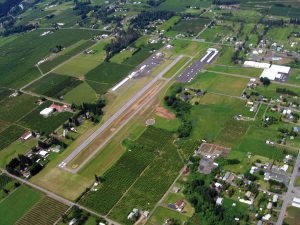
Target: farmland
[17, 204]
[139, 159]
[52, 210]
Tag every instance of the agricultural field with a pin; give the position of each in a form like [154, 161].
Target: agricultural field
[17, 204]
[51, 212]
[292, 217]
[19, 73]
[188, 27]
[54, 85]
[9, 135]
[35, 121]
[161, 214]
[112, 189]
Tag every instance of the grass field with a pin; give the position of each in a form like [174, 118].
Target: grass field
[169, 23]
[80, 94]
[19, 72]
[47, 211]
[214, 82]
[246, 71]
[178, 5]
[17, 204]
[293, 216]
[161, 214]
[36, 122]
[4, 180]
[14, 149]
[54, 85]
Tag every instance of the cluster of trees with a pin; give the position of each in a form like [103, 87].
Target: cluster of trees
[182, 110]
[225, 2]
[155, 3]
[265, 81]
[203, 199]
[294, 21]
[21, 162]
[19, 29]
[145, 18]
[7, 5]
[92, 111]
[57, 49]
[123, 40]
[286, 91]
[82, 8]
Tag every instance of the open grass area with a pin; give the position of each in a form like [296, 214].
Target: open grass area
[178, 5]
[54, 85]
[293, 216]
[169, 23]
[225, 56]
[218, 83]
[17, 204]
[14, 149]
[19, 56]
[47, 211]
[161, 214]
[36, 122]
[246, 71]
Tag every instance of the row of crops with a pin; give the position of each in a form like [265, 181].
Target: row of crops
[47, 211]
[125, 172]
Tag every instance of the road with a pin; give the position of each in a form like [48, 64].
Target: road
[93, 136]
[57, 197]
[289, 194]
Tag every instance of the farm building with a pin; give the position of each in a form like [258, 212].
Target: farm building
[26, 136]
[272, 72]
[46, 112]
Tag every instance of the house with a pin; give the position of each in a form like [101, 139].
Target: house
[226, 176]
[267, 217]
[269, 206]
[26, 136]
[179, 205]
[73, 221]
[43, 153]
[296, 129]
[46, 112]
[275, 198]
[58, 108]
[248, 194]
[133, 215]
[219, 201]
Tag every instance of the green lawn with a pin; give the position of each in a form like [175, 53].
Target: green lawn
[293, 216]
[161, 214]
[17, 204]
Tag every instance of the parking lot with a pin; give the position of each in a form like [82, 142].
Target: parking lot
[189, 74]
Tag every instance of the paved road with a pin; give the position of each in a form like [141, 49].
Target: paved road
[93, 136]
[289, 195]
[57, 197]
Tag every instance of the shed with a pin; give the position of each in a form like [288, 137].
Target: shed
[46, 112]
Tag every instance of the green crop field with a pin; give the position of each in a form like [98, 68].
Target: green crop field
[17, 204]
[169, 23]
[47, 125]
[144, 52]
[178, 5]
[47, 211]
[126, 170]
[14, 108]
[214, 34]
[192, 25]
[47, 66]
[54, 85]
[9, 135]
[4, 180]
[18, 57]
[80, 94]
[108, 74]
[151, 185]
